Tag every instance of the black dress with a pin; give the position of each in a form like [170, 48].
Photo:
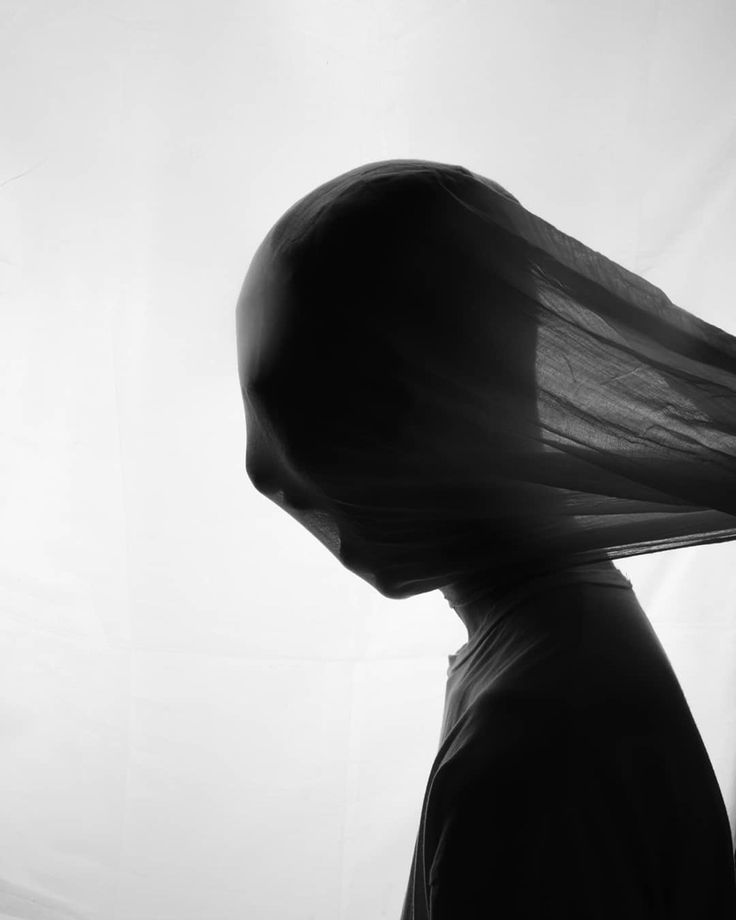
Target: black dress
[571, 780]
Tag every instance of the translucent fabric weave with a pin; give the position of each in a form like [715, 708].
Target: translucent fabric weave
[442, 386]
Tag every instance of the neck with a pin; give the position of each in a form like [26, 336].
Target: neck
[477, 599]
[472, 614]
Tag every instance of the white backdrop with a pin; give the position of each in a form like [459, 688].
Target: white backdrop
[202, 715]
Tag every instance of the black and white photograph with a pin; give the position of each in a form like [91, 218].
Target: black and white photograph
[368, 448]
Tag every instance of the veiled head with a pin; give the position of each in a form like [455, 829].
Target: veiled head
[383, 359]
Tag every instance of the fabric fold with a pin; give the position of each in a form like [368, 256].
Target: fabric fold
[441, 385]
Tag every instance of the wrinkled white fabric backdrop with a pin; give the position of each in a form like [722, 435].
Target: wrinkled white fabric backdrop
[202, 715]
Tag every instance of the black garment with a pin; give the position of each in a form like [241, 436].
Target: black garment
[444, 389]
[571, 780]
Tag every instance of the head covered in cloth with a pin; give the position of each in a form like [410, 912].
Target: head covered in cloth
[444, 388]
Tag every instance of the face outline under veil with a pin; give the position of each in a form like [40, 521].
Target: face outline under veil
[390, 365]
[362, 342]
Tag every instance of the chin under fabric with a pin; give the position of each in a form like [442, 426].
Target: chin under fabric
[443, 387]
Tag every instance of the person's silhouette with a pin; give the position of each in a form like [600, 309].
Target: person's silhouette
[403, 343]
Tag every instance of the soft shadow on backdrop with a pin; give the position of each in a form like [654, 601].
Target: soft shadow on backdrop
[202, 714]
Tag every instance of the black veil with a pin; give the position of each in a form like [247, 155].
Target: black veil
[442, 386]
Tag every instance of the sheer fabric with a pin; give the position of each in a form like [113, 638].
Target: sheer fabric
[441, 386]
[447, 390]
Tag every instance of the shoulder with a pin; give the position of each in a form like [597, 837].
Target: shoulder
[503, 726]
[506, 741]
